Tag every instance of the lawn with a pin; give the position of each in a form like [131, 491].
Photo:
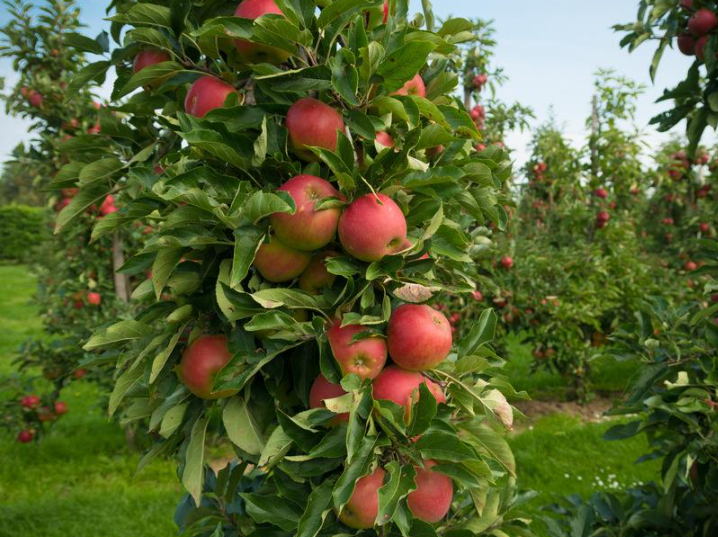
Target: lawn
[80, 481]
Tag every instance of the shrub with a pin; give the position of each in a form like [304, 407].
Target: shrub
[22, 228]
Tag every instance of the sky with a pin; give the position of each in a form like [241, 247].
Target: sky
[550, 50]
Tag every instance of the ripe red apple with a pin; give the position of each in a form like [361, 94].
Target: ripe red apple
[61, 408]
[25, 437]
[316, 277]
[702, 22]
[35, 98]
[402, 387]
[372, 227]
[386, 12]
[507, 262]
[700, 54]
[79, 373]
[686, 44]
[95, 129]
[364, 357]
[415, 86]
[690, 266]
[419, 337]
[687, 4]
[384, 139]
[477, 295]
[279, 263]
[321, 390]
[601, 193]
[149, 57]
[435, 151]
[201, 362]
[480, 80]
[311, 123]
[30, 401]
[207, 93]
[94, 299]
[432, 498]
[363, 507]
[705, 227]
[307, 229]
[249, 52]
[603, 216]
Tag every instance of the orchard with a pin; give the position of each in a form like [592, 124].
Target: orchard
[325, 278]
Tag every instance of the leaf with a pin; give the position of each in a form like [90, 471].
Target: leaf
[277, 446]
[123, 385]
[267, 510]
[172, 420]
[146, 14]
[117, 333]
[241, 426]
[278, 297]
[318, 507]
[444, 446]
[100, 170]
[263, 204]
[161, 359]
[94, 72]
[82, 43]
[246, 242]
[488, 441]
[352, 472]
[79, 204]
[415, 293]
[149, 75]
[399, 485]
[480, 334]
[165, 262]
[404, 63]
[193, 473]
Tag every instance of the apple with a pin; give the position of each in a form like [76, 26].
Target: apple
[201, 361]
[279, 263]
[25, 437]
[79, 373]
[35, 98]
[601, 193]
[687, 4]
[435, 151]
[363, 357]
[94, 299]
[149, 57]
[95, 129]
[311, 123]
[702, 22]
[690, 266]
[384, 139]
[386, 12]
[419, 337]
[402, 387]
[316, 276]
[361, 510]
[249, 52]
[480, 81]
[704, 227]
[686, 44]
[432, 498]
[61, 408]
[700, 54]
[603, 216]
[321, 390]
[478, 112]
[307, 229]
[207, 93]
[372, 227]
[507, 262]
[415, 86]
[30, 401]
[108, 206]
[477, 295]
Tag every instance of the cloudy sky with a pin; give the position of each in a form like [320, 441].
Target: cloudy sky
[550, 51]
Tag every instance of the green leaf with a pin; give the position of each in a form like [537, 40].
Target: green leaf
[352, 472]
[247, 240]
[165, 262]
[489, 442]
[118, 333]
[94, 72]
[444, 446]
[193, 473]
[82, 43]
[399, 485]
[241, 426]
[267, 510]
[146, 14]
[84, 199]
[277, 446]
[123, 385]
[404, 63]
[318, 507]
[263, 204]
[100, 170]
[149, 75]
[172, 420]
[480, 334]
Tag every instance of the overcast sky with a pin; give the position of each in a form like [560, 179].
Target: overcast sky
[550, 51]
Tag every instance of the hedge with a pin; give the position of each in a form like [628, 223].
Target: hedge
[22, 228]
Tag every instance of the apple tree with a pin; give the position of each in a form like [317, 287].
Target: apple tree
[304, 225]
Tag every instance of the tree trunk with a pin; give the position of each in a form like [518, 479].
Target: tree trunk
[122, 281]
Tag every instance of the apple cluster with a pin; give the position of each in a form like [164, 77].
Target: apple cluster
[698, 28]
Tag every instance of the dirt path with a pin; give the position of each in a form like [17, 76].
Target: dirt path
[591, 412]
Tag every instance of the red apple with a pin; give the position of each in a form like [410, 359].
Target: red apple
[603, 216]
[94, 299]
[30, 401]
[419, 337]
[372, 227]
[402, 387]
[601, 193]
[95, 129]
[321, 390]
[25, 437]
[35, 98]
[704, 227]
[61, 408]
[316, 277]
[686, 44]
[690, 266]
[207, 93]
[507, 262]
[700, 54]
[687, 4]
[415, 86]
[108, 206]
[364, 357]
[363, 507]
[477, 295]
[311, 123]
[201, 362]
[249, 52]
[307, 229]
[79, 373]
[386, 12]
[279, 263]
[384, 139]
[432, 498]
[702, 22]
[479, 81]
[149, 57]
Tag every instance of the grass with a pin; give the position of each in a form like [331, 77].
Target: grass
[80, 480]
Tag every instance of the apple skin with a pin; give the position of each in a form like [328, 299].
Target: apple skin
[507, 262]
[312, 123]
[419, 337]
[94, 299]
[307, 229]
[201, 362]
[25, 437]
[402, 387]
[249, 52]
[361, 510]
[323, 389]
[702, 22]
[61, 408]
[372, 227]
[316, 277]
[207, 93]
[415, 86]
[30, 401]
[432, 498]
[365, 357]
[35, 98]
[278, 263]
[384, 139]
[686, 44]
[149, 57]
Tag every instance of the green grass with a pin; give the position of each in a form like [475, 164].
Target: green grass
[608, 374]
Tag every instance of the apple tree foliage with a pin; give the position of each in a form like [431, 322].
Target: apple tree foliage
[72, 273]
[208, 185]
